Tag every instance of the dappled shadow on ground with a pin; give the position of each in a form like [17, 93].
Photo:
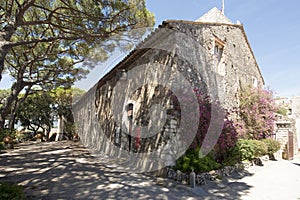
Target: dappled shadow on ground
[66, 170]
[297, 164]
[230, 187]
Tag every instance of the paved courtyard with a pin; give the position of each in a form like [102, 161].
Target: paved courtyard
[66, 170]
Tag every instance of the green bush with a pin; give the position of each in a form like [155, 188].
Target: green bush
[245, 150]
[251, 149]
[11, 191]
[248, 150]
[1, 146]
[232, 157]
[272, 145]
[283, 111]
[5, 132]
[19, 136]
[191, 160]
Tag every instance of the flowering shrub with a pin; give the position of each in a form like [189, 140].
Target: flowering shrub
[272, 145]
[256, 121]
[227, 139]
[204, 118]
[256, 111]
[228, 136]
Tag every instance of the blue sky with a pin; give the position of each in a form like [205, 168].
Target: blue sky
[272, 27]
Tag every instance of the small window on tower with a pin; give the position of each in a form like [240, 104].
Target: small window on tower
[254, 82]
[218, 51]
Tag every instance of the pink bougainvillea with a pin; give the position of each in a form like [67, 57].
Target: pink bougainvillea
[254, 119]
[229, 134]
[256, 111]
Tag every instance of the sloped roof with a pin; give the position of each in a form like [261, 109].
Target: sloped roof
[158, 33]
[214, 16]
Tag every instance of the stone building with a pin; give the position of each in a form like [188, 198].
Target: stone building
[211, 55]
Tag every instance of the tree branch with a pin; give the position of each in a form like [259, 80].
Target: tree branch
[51, 39]
[22, 9]
[9, 6]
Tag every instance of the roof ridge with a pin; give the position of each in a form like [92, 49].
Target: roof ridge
[214, 15]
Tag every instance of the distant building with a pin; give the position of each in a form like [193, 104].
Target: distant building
[288, 126]
[295, 114]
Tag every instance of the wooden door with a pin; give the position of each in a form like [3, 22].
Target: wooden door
[290, 146]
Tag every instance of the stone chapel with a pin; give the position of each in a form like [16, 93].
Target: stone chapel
[211, 54]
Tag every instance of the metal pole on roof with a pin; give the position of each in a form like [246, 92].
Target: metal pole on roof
[223, 7]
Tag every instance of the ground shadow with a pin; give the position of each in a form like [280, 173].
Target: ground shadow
[66, 170]
[298, 164]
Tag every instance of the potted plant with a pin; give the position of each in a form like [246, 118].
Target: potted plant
[8, 142]
[39, 137]
[75, 137]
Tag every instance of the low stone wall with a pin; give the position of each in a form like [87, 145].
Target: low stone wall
[203, 178]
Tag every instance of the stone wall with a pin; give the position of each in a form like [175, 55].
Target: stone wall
[237, 67]
[282, 130]
[292, 107]
[151, 91]
[296, 115]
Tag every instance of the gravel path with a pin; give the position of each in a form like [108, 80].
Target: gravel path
[66, 170]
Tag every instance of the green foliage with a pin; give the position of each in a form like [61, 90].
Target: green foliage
[282, 111]
[251, 149]
[245, 150]
[10, 191]
[64, 99]
[232, 156]
[38, 110]
[3, 96]
[44, 41]
[35, 111]
[3, 133]
[6, 132]
[1, 146]
[272, 145]
[20, 136]
[191, 160]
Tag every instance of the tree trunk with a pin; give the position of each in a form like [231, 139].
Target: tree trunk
[11, 121]
[7, 108]
[12, 118]
[3, 53]
[47, 133]
[60, 128]
[2, 122]
[5, 37]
